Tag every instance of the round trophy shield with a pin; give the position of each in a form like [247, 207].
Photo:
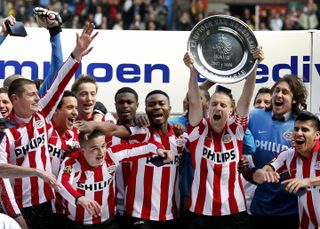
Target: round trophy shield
[222, 48]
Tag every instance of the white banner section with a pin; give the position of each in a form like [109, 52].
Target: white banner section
[148, 60]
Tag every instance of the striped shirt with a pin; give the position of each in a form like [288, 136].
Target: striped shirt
[300, 167]
[78, 179]
[153, 192]
[59, 147]
[27, 144]
[217, 187]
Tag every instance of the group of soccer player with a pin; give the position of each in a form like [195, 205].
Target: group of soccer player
[65, 164]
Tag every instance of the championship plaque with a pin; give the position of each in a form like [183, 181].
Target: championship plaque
[222, 48]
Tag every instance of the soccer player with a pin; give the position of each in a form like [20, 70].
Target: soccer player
[27, 144]
[271, 205]
[217, 196]
[87, 177]
[263, 98]
[152, 196]
[302, 163]
[85, 89]
[126, 102]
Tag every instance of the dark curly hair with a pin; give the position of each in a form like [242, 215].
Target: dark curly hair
[298, 90]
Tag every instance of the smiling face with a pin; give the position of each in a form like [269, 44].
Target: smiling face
[282, 99]
[220, 109]
[5, 105]
[305, 136]
[126, 106]
[94, 151]
[26, 104]
[65, 116]
[158, 109]
[86, 96]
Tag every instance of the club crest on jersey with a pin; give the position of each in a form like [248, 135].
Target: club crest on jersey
[181, 142]
[111, 168]
[226, 138]
[38, 124]
[67, 169]
[288, 135]
[317, 165]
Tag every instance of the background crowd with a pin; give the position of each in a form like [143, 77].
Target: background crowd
[179, 15]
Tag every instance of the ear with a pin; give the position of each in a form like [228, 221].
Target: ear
[137, 104]
[14, 97]
[317, 136]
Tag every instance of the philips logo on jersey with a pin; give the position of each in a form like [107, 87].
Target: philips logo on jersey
[270, 146]
[175, 161]
[218, 157]
[34, 143]
[56, 152]
[96, 186]
[133, 73]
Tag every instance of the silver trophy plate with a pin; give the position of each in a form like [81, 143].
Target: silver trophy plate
[222, 48]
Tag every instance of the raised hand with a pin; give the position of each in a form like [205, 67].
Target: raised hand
[188, 60]
[83, 41]
[4, 30]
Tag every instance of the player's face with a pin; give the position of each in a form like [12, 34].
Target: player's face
[94, 151]
[27, 103]
[65, 117]
[282, 99]
[158, 109]
[5, 105]
[220, 109]
[126, 106]
[86, 96]
[263, 100]
[305, 136]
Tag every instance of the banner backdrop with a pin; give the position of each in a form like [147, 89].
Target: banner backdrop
[148, 60]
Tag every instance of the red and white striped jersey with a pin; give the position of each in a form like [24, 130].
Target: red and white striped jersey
[217, 188]
[10, 207]
[122, 174]
[59, 147]
[78, 179]
[58, 150]
[153, 192]
[301, 167]
[27, 144]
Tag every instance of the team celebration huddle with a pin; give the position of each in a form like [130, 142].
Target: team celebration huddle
[65, 162]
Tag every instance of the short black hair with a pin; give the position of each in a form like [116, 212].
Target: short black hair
[157, 92]
[263, 90]
[83, 139]
[306, 116]
[66, 93]
[126, 90]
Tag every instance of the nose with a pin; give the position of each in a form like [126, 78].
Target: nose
[75, 112]
[37, 98]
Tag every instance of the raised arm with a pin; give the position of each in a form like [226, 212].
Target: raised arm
[4, 32]
[195, 108]
[106, 128]
[248, 88]
[51, 99]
